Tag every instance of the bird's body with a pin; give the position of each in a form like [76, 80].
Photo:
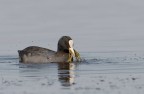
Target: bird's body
[35, 54]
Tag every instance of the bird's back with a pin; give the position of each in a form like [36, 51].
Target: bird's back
[34, 53]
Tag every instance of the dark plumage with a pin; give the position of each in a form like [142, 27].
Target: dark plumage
[64, 53]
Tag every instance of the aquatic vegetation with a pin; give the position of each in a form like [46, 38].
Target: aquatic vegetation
[73, 55]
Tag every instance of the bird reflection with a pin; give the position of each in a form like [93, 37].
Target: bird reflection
[66, 73]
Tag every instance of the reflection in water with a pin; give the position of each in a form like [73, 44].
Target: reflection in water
[66, 73]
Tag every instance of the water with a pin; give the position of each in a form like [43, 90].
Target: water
[107, 33]
[108, 73]
[93, 25]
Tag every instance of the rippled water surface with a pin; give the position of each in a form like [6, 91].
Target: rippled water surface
[109, 35]
[102, 72]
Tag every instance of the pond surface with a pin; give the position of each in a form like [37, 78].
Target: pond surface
[102, 73]
[109, 35]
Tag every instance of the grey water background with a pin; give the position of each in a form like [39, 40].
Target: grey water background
[107, 33]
